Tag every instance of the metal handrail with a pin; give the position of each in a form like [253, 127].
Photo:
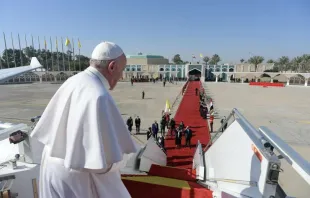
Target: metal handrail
[218, 131]
[253, 133]
[301, 165]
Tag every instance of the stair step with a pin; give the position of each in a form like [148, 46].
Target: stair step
[172, 172]
[154, 187]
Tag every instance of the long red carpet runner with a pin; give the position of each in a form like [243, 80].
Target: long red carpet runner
[188, 112]
[177, 179]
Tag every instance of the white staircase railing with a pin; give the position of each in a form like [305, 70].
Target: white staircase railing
[242, 162]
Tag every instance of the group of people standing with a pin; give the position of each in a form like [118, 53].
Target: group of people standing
[137, 124]
[203, 108]
[170, 125]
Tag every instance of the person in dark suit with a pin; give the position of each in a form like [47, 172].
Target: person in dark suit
[188, 136]
[155, 129]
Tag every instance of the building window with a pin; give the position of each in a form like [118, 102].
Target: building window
[128, 68]
[139, 68]
[133, 68]
[173, 68]
[167, 68]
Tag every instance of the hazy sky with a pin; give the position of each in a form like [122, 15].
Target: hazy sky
[230, 28]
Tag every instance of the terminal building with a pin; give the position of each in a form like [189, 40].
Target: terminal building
[156, 66]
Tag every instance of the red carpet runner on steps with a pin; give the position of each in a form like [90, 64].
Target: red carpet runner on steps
[188, 112]
[176, 181]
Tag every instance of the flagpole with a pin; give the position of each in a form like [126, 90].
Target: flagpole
[32, 41]
[6, 51]
[39, 43]
[52, 53]
[26, 40]
[79, 45]
[69, 54]
[73, 57]
[39, 52]
[63, 54]
[13, 49]
[0, 60]
[45, 45]
[57, 54]
[20, 52]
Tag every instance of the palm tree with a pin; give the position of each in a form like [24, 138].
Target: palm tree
[206, 59]
[270, 61]
[284, 63]
[305, 63]
[215, 59]
[256, 60]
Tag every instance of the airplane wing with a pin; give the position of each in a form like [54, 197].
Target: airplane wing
[7, 74]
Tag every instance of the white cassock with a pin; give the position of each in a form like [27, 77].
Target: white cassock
[85, 138]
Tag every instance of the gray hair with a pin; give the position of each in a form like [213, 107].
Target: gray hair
[99, 63]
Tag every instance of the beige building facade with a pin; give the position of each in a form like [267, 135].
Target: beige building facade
[151, 66]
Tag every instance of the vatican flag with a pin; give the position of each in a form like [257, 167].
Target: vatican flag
[167, 107]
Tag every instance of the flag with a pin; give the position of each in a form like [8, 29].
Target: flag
[45, 44]
[193, 56]
[79, 43]
[167, 107]
[68, 44]
[201, 56]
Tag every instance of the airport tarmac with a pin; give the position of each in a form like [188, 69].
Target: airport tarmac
[18, 103]
[286, 111]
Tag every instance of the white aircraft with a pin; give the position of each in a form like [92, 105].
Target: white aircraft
[7, 74]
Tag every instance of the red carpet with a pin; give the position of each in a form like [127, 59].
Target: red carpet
[177, 181]
[188, 112]
[172, 172]
[143, 189]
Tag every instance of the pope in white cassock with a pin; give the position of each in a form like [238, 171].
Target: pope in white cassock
[84, 134]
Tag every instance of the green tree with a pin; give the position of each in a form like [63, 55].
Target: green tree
[46, 58]
[284, 63]
[177, 59]
[206, 59]
[270, 61]
[241, 60]
[256, 60]
[215, 59]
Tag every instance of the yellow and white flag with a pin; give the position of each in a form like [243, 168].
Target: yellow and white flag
[201, 56]
[68, 44]
[167, 107]
[79, 44]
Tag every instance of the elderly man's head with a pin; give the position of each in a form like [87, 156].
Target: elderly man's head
[110, 60]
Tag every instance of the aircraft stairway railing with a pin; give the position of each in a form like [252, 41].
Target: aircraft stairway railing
[242, 162]
[298, 163]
